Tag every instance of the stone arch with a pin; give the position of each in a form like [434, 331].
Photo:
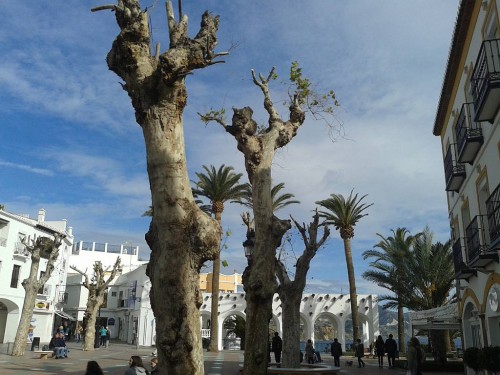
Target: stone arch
[9, 317]
[326, 327]
[471, 323]
[364, 329]
[224, 343]
[469, 293]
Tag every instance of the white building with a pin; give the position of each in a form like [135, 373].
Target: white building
[15, 263]
[467, 121]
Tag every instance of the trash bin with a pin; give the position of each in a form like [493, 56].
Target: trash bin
[35, 342]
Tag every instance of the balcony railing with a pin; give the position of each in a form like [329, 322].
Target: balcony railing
[20, 249]
[493, 214]
[461, 269]
[485, 82]
[454, 172]
[468, 134]
[478, 243]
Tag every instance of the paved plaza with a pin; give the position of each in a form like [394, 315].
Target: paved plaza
[114, 360]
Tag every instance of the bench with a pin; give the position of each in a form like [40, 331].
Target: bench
[304, 369]
[44, 353]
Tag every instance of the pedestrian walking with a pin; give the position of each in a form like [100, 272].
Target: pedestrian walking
[359, 352]
[391, 348]
[277, 347]
[380, 350]
[336, 350]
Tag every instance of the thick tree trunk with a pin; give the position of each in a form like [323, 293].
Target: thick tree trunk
[31, 290]
[439, 339]
[181, 236]
[290, 307]
[91, 312]
[352, 289]
[401, 328]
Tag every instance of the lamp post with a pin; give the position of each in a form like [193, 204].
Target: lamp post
[249, 244]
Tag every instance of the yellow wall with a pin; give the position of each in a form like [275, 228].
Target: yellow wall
[226, 282]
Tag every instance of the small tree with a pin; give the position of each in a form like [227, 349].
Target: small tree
[290, 291]
[97, 287]
[46, 248]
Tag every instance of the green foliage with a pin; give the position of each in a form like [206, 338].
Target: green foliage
[213, 115]
[304, 93]
[491, 358]
[473, 358]
[279, 201]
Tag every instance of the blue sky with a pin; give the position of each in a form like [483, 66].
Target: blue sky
[70, 143]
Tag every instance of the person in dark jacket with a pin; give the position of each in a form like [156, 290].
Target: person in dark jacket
[391, 348]
[93, 368]
[276, 347]
[380, 350]
[336, 350]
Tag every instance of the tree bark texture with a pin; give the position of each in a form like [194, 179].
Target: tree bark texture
[97, 287]
[352, 289]
[290, 291]
[259, 278]
[181, 236]
[401, 327]
[42, 247]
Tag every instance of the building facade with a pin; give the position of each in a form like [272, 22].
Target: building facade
[15, 263]
[467, 121]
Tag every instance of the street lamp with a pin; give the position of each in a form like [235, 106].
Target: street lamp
[249, 243]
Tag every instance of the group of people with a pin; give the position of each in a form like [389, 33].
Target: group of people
[105, 335]
[389, 347]
[58, 344]
[135, 367]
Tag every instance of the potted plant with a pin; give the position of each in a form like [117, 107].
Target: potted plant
[473, 358]
[491, 359]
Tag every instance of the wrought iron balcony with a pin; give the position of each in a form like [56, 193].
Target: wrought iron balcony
[468, 134]
[478, 243]
[485, 82]
[493, 214]
[462, 271]
[454, 172]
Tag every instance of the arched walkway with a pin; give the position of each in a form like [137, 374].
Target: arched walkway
[9, 317]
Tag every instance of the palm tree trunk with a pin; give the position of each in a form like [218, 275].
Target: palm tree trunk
[214, 318]
[401, 327]
[352, 289]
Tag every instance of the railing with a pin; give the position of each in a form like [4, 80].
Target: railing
[205, 333]
[466, 128]
[486, 72]
[452, 169]
[100, 247]
[493, 214]
[458, 259]
[475, 239]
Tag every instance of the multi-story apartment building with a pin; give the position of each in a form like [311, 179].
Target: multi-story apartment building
[227, 283]
[15, 263]
[467, 121]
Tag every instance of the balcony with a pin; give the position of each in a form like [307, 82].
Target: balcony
[485, 81]
[454, 172]
[493, 214]
[462, 271]
[468, 134]
[479, 252]
[21, 252]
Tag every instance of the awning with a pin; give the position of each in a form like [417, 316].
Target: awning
[444, 317]
[64, 315]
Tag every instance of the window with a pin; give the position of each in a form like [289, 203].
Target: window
[14, 281]
[113, 294]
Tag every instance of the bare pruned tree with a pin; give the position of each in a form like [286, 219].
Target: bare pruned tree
[97, 285]
[42, 247]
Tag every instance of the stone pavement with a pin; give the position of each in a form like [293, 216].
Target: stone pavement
[114, 361]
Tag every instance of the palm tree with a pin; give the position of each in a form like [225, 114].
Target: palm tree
[389, 270]
[218, 186]
[432, 278]
[344, 214]
[278, 201]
